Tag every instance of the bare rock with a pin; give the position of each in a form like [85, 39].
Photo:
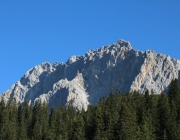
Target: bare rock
[84, 79]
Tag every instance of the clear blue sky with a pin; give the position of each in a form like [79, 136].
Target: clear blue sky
[35, 31]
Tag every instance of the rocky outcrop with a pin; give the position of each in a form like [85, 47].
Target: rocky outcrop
[84, 79]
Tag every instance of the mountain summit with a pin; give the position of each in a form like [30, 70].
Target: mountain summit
[84, 79]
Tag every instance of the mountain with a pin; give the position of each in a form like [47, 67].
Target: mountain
[84, 79]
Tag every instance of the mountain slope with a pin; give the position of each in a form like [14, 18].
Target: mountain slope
[84, 79]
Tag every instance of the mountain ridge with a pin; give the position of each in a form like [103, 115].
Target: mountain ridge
[84, 79]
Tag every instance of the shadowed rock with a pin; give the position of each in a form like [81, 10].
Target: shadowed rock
[84, 79]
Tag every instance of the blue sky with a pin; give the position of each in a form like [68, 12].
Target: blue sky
[35, 31]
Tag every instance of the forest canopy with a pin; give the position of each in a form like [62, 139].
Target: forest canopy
[129, 116]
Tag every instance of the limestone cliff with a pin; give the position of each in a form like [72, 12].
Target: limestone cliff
[84, 79]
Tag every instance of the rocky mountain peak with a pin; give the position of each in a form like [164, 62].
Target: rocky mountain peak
[84, 79]
[124, 43]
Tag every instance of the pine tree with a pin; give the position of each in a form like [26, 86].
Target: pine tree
[90, 122]
[147, 129]
[127, 124]
[52, 124]
[163, 115]
[99, 125]
[111, 115]
[147, 99]
[13, 123]
[60, 123]
[71, 113]
[45, 120]
[174, 99]
[4, 120]
[37, 132]
[174, 92]
[22, 133]
[174, 131]
[78, 128]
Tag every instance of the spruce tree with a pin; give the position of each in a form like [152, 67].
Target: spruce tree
[52, 124]
[37, 132]
[127, 124]
[60, 123]
[174, 92]
[4, 120]
[90, 122]
[147, 128]
[99, 124]
[163, 116]
[13, 123]
[174, 99]
[78, 128]
[22, 120]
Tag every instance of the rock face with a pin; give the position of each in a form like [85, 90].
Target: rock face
[84, 79]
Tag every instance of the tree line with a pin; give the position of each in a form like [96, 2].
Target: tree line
[129, 116]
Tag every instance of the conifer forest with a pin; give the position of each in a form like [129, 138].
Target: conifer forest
[127, 116]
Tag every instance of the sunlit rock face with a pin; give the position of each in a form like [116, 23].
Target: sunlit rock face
[84, 79]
